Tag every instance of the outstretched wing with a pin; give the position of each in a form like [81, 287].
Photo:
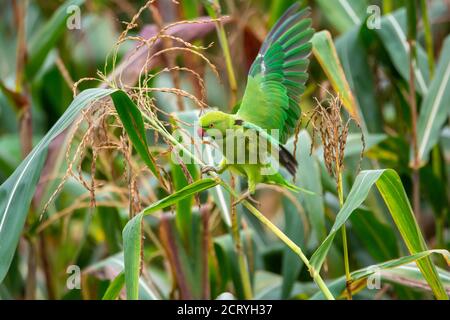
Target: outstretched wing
[277, 76]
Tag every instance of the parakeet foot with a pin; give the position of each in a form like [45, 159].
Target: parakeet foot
[246, 195]
[208, 169]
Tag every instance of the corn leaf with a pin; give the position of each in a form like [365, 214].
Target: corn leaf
[308, 178]
[409, 275]
[387, 270]
[434, 110]
[378, 238]
[343, 14]
[17, 191]
[132, 233]
[290, 264]
[114, 265]
[228, 260]
[180, 173]
[354, 58]
[391, 189]
[326, 55]
[184, 207]
[132, 121]
[188, 260]
[46, 37]
[114, 288]
[393, 37]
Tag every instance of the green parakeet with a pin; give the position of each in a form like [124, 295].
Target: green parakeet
[271, 102]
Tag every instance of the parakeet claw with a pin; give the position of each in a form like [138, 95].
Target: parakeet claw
[256, 202]
[207, 169]
[248, 196]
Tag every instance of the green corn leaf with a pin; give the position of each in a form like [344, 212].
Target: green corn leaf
[268, 287]
[193, 188]
[184, 207]
[111, 224]
[132, 233]
[46, 37]
[132, 249]
[412, 19]
[378, 238]
[228, 260]
[388, 270]
[354, 58]
[391, 189]
[114, 288]
[326, 55]
[10, 154]
[393, 36]
[344, 14]
[115, 264]
[132, 121]
[308, 178]
[197, 254]
[276, 10]
[180, 180]
[17, 191]
[409, 275]
[190, 9]
[434, 110]
[290, 264]
[187, 260]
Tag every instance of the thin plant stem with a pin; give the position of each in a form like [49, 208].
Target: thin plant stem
[25, 131]
[214, 11]
[348, 278]
[439, 171]
[440, 229]
[428, 36]
[436, 157]
[243, 267]
[388, 6]
[25, 123]
[230, 70]
[412, 33]
[206, 291]
[19, 10]
[47, 267]
[295, 248]
[30, 285]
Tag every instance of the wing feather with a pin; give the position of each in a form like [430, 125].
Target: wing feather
[277, 76]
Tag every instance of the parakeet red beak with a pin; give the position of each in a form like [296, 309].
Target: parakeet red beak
[201, 132]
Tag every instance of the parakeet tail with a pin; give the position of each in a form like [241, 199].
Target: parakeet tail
[288, 161]
[278, 179]
[297, 189]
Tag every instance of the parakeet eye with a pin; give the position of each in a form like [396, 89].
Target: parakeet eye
[211, 125]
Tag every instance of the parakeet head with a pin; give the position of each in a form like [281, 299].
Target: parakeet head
[215, 120]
